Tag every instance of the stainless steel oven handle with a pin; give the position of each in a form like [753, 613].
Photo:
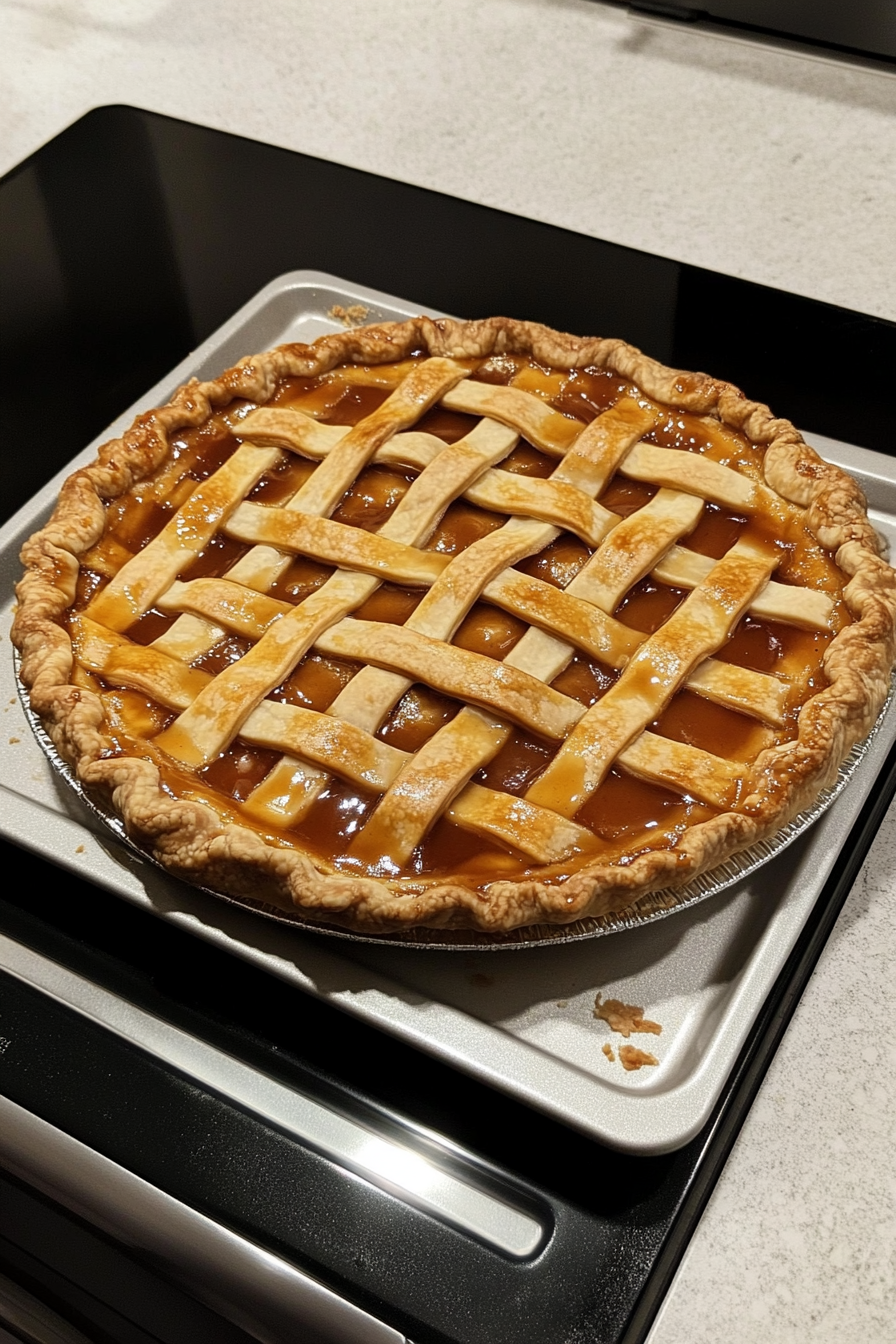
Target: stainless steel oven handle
[268, 1298]
[32, 1320]
[420, 1177]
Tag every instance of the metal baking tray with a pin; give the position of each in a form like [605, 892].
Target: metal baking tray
[522, 1023]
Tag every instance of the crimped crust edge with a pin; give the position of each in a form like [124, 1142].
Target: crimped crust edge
[190, 839]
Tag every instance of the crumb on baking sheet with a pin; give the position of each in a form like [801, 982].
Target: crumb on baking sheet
[14, 740]
[624, 1017]
[79, 849]
[352, 316]
[632, 1058]
[608, 1051]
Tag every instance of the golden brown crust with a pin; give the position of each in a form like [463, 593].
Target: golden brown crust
[190, 840]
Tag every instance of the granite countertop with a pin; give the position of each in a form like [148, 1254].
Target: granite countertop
[772, 165]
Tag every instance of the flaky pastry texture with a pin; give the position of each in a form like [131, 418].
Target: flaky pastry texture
[190, 840]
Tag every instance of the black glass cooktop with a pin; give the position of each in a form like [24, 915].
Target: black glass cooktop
[130, 237]
[124, 242]
[862, 28]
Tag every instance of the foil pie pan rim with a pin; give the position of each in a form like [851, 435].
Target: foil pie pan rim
[648, 909]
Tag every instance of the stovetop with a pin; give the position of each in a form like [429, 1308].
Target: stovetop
[129, 238]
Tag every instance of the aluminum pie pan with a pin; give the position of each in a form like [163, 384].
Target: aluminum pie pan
[646, 910]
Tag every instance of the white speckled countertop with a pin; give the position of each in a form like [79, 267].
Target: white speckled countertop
[770, 165]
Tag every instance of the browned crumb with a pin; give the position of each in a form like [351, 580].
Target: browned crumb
[608, 1051]
[562, 1003]
[79, 849]
[624, 1017]
[632, 1058]
[481, 981]
[352, 316]
[14, 740]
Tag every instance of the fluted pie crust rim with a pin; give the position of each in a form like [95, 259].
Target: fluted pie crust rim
[192, 841]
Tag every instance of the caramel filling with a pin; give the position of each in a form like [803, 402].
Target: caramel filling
[514, 636]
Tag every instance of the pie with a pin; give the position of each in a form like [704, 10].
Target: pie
[456, 625]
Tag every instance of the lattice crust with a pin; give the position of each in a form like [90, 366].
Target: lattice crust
[547, 864]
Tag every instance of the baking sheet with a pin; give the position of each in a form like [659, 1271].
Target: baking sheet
[522, 1023]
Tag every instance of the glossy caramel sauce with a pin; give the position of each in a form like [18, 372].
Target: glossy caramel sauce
[716, 532]
[625, 497]
[700, 723]
[558, 563]
[372, 498]
[489, 631]
[316, 682]
[648, 605]
[631, 815]
[628, 816]
[584, 680]
[419, 713]
[228, 650]
[238, 770]
[461, 525]
[303, 577]
[150, 626]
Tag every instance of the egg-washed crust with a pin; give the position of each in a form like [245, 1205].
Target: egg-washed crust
[191, 841]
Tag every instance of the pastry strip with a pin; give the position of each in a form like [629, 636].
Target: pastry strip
[398, 823]
[698, 475]
[336, 544]
[501, 491]
[546, 428]
[249, 614]
[534, 831]
[292, 429]
[686, 769]
[804, 607]
[369, 763]
[143, 579]
[754, 693]
[696, 629]
[632, 549]
[601, 446]
[190, 637]
[215, 717]
[344, 749]
[122, 663]
[456, 672]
